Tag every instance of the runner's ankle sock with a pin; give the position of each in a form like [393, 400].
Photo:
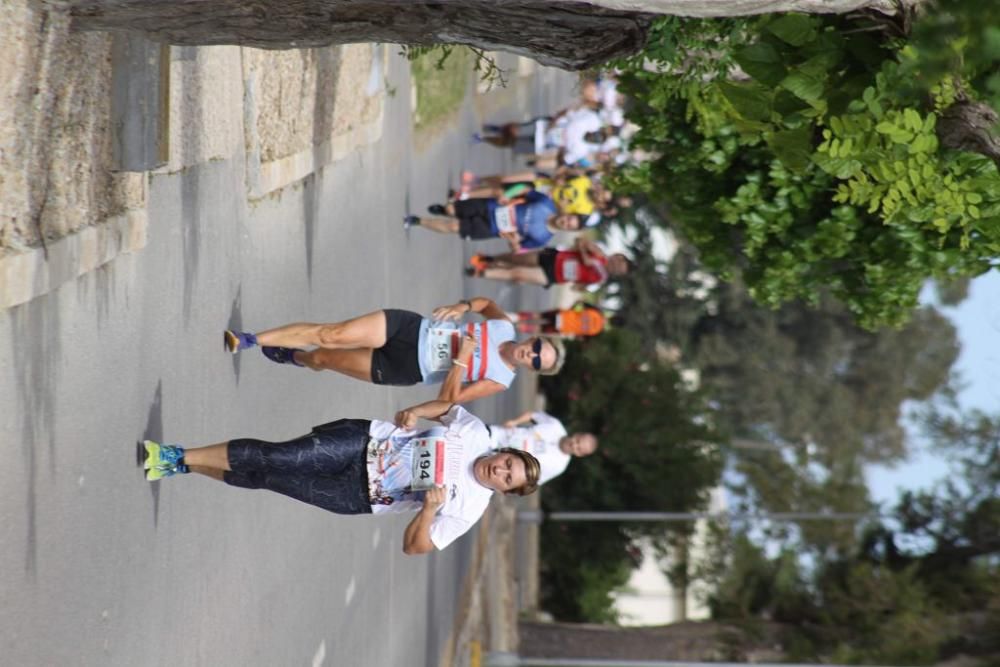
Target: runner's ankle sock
[247, 339]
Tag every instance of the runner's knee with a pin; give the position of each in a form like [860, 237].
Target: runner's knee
[331, 334]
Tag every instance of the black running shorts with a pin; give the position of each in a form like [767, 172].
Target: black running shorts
[547, 260]
[474, 219]
[396, 363]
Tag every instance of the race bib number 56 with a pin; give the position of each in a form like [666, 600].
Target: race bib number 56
[444, 347]
[428, 463]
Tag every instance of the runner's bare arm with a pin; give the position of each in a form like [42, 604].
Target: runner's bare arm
[522, 418]
[476, 390]
[587, 249]
[489, 309]
[452, 384]
[513, 238]
[434, 410]
[477, 304]
[417, 536]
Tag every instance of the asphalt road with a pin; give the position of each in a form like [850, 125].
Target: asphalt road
[99, 567]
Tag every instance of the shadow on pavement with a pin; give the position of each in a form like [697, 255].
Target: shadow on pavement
[191, 196]
[310, 213]
[154, 431]
[36, 355]
[236, 324]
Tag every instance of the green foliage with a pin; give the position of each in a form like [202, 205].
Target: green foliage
[442, 56]
[816, 166]
[654, 455]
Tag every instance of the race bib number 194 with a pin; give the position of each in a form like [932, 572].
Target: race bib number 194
[428, 463]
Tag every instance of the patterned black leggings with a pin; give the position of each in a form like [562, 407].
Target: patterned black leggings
[325, 468]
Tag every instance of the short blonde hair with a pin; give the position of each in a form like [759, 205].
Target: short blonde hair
[560, 350]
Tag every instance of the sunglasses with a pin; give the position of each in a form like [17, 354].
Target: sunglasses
[536, 360]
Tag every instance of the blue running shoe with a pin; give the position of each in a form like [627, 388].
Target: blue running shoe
[280, 355]
[238, 340]
[161, 456]
[410, 221]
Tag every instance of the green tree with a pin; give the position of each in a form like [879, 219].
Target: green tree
[655, 454]
[803, 396]
[841, 154]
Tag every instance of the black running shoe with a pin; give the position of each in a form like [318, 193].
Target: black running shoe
[280, 355]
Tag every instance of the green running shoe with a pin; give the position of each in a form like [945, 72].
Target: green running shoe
[161, 456]
[156, 474]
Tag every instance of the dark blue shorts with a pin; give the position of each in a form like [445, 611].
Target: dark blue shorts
[325, 468]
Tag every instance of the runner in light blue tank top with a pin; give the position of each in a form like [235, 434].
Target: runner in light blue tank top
[439, 343]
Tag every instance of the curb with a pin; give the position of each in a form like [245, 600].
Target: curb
[265, 178]
[39, 271]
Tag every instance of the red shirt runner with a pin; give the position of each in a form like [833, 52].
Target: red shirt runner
[570, 268]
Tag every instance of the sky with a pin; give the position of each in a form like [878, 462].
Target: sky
[978, 322]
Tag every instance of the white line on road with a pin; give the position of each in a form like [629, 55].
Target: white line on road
[320, 655]
[349, 593]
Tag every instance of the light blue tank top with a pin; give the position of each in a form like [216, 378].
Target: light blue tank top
[439, 343]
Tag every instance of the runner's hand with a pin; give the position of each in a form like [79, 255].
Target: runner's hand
[467, 348]
[406, 419]
[510, 423]
[513, 238]
[434, 498]
[452, 312]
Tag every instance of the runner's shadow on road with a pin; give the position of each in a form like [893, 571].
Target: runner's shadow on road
[310, 214]
[36, 356]
[154, 431]
[236, 324]
[406, 207]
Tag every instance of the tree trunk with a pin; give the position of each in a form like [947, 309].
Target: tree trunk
[571, 35]
[715, 8]
[968, 126]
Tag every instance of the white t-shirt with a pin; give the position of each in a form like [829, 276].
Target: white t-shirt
[540, 440]
[444, 455]
[578, 124]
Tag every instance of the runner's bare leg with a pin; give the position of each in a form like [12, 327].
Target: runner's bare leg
[364, 331]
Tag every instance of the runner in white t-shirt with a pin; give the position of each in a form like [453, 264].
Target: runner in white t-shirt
[446, 474]
[544, 437]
